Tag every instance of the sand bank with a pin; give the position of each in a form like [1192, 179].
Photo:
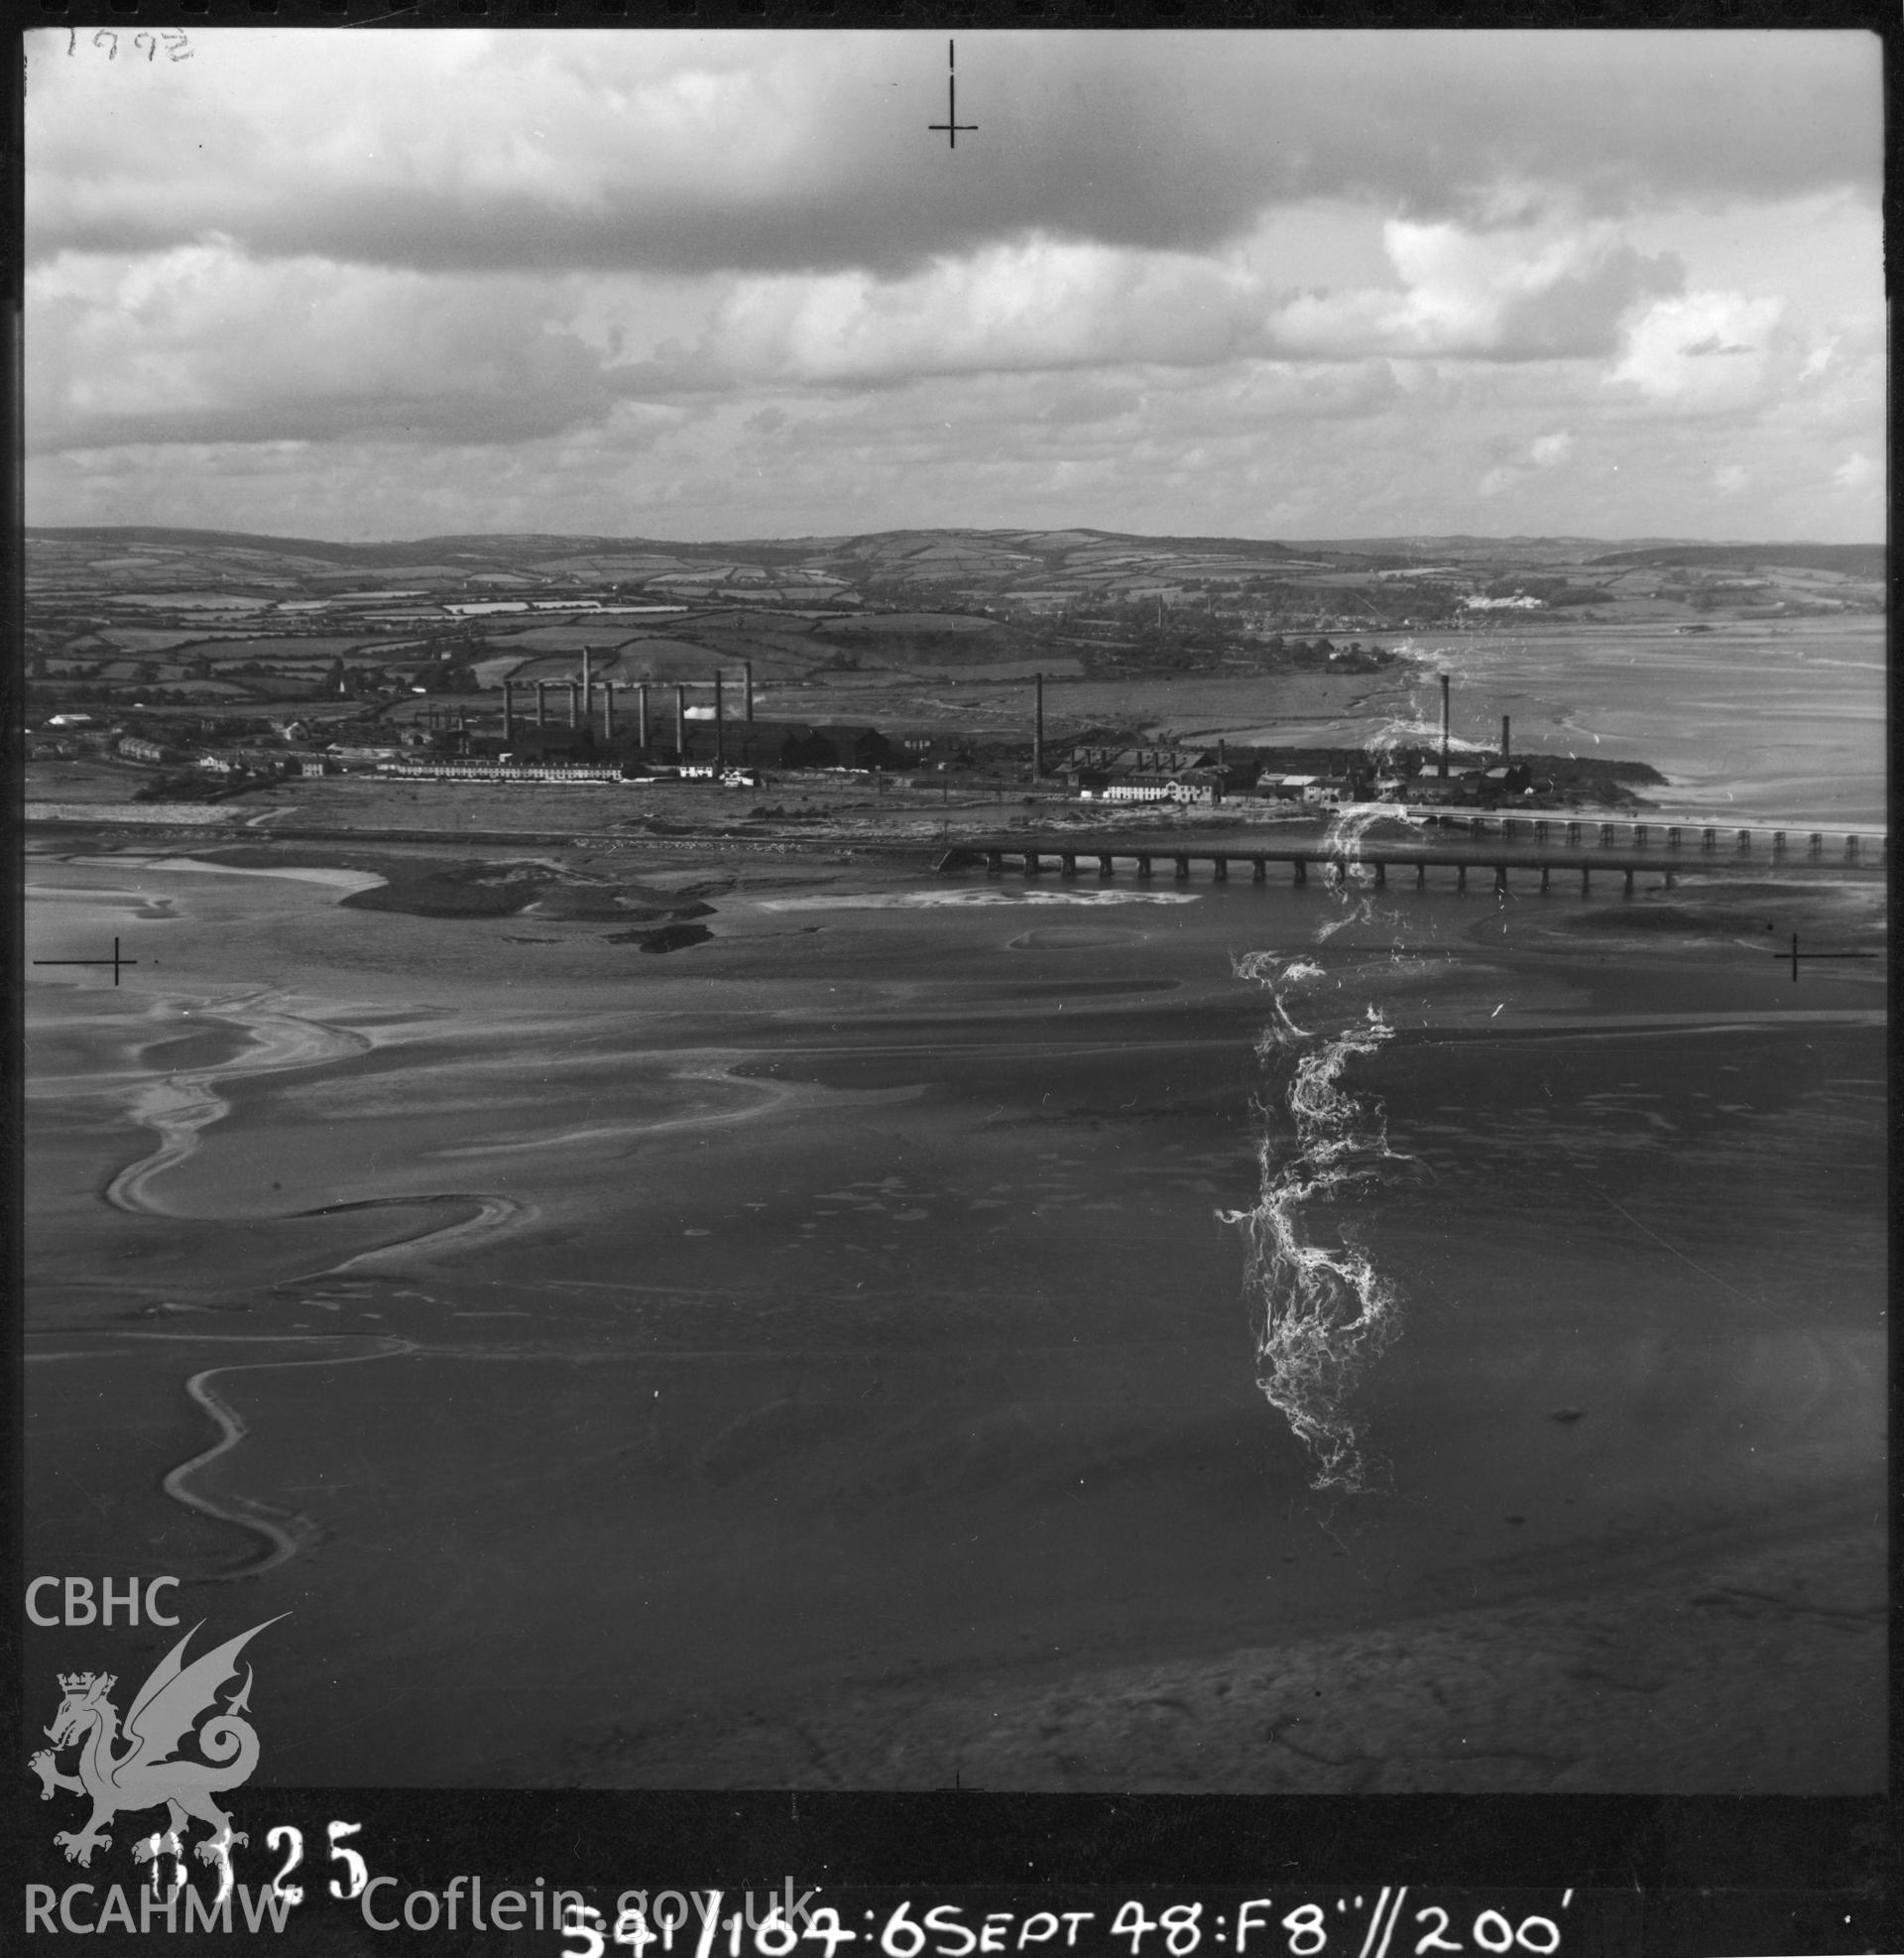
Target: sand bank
[1548, 1698]
[149, 816]
[335, 878]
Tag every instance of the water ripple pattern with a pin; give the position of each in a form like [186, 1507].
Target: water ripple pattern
[284, 1533]
[1319, 1312]
[178, 1106]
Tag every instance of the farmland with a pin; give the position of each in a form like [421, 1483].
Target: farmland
[915, 629]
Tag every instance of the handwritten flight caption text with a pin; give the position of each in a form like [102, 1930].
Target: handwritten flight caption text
[1291, 1924]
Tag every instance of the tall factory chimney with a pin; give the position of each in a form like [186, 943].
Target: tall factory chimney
[542, 703]
[1037, 725]
[641, 715]
[509, 710]
[608, 710]
[1505, 724]
[747, 670]
[720, 724]
[680, 723]
[1444, 727]
[574, 703]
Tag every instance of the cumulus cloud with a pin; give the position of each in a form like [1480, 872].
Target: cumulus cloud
[708, 284]
[1514, 295]
[201, 345]
[777, 151]
[1187, 450]
[1702, 352]
[1042, 302]
[1038, 304]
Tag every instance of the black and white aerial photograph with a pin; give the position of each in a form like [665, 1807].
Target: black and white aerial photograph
[950, 909]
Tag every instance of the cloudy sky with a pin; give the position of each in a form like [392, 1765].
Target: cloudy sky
[357, 283]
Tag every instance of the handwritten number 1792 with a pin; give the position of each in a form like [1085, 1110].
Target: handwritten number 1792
[177, 48]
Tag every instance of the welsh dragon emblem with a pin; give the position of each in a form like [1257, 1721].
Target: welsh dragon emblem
[146, 1773]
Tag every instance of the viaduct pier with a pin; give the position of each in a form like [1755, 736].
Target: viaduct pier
[1528, 851]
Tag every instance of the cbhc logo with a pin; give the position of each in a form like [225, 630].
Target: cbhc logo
[74, 1603]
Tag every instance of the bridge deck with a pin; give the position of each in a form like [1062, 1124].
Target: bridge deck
[1071, 856]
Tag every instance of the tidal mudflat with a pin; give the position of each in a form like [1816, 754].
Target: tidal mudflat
[818, 1356]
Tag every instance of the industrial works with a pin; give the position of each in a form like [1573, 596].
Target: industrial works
[589, 730]
[669, 738]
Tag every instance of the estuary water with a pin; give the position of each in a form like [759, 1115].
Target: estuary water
[1775, 724]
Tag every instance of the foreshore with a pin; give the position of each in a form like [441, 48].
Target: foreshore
[860, 1355]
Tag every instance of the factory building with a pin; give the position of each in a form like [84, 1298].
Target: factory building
[1177, 790]
[797, 745]
[1157, 773]
[1507, 778]
[1485, 782]
[500, 771]
[1300, 788]
[707, 745]
[1161, 759]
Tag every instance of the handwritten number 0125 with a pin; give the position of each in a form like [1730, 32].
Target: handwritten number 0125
[177, 48]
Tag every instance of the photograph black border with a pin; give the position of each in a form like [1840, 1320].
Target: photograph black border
[1700, 1875]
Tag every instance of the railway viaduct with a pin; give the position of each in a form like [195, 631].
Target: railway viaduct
[1534, 847]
